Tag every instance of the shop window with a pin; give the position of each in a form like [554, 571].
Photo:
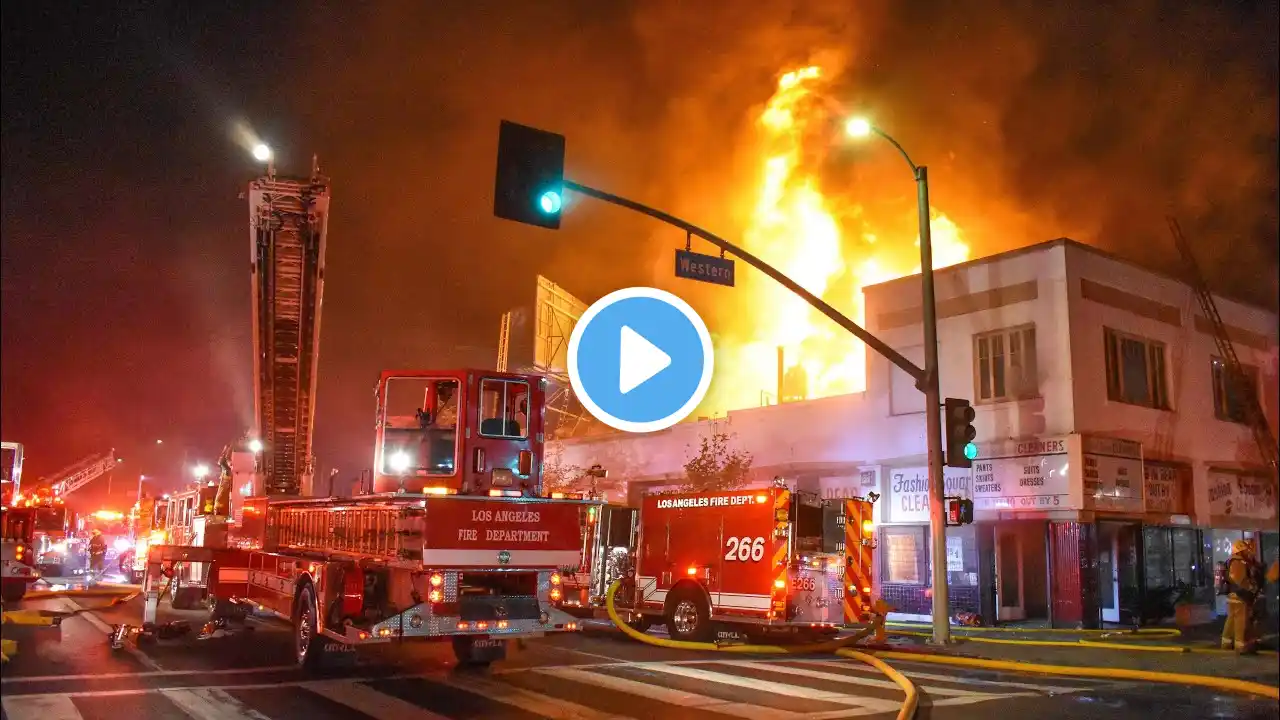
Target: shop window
[1005, 365]
[904, 555]
[1173, 556]
[1135, 370]
[1231, 400]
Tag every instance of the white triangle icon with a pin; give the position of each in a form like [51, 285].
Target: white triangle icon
[639, 361]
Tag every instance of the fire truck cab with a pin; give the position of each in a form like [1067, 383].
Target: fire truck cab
[761, 562]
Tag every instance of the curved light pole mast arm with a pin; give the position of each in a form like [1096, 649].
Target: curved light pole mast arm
[871, 340]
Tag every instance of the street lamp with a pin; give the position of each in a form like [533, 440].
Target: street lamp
[141, 478]
[200, 471]
[255, 445]
[863, 128]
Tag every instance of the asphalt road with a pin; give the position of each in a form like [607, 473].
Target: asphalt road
[585, 676]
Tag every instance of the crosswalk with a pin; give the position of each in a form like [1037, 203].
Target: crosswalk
[751, 689]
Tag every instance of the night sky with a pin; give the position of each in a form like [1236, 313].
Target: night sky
[125, 303]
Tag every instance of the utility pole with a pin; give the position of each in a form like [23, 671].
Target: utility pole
[933, 420]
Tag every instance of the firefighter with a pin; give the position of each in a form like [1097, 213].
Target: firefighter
[97, 552]
[1242, 581]
[222, 500]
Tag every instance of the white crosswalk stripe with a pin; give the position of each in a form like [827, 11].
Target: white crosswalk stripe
[750, 689]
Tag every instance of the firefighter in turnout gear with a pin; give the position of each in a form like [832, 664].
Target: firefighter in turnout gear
[222, 501]
[1242, 584]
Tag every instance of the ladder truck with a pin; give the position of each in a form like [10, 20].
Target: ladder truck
[451, 539]
[57, 549]
[454, 542]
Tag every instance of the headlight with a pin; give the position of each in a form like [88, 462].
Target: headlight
[122, 544]
[399, 461]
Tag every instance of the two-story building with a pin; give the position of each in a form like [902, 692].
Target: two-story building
[1113, 458]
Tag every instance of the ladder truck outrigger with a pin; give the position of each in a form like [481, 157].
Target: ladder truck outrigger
[450, 539]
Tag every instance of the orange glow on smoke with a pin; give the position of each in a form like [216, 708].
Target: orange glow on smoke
[795, 227]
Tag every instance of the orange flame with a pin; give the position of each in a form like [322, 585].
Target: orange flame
[794, 226]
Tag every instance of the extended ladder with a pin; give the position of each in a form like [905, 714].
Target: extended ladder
[1236, 379]
[288, 221]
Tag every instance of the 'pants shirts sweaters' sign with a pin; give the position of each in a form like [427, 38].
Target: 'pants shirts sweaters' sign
[1030, 474]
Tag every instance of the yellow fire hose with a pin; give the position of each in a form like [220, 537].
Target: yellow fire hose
[839, 647]
[1104, 639]
[908, 708]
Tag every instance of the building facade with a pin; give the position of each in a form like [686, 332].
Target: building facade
[1113, 461]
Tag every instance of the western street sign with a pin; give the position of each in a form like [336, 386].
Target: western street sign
[707, 268]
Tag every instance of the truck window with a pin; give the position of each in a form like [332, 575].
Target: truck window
[420, 426]
[504, 408]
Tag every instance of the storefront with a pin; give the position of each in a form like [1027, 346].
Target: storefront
[1113, 487]
[1242, 505]
[905, 570]
[1176, 554]
[1020, 488]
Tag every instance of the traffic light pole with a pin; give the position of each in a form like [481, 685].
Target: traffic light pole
[933, 418]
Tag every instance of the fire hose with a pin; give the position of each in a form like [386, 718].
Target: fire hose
[839, 646]
[908, 709]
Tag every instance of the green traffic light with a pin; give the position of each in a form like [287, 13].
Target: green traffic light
[971, 451]
[550, 202]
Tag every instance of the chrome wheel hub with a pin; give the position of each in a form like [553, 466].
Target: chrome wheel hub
[685, 617]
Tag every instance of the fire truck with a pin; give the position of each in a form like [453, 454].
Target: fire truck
[17, 530]
[451, 538]
[761, 562]
[455, 541]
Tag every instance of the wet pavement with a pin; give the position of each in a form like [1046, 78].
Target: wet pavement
[580, 677]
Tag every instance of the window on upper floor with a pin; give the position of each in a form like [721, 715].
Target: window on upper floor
[1005, 365]
[1230, 399]
[1135, 370]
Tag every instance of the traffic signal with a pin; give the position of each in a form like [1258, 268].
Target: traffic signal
[529, 184]
[958, 422]
[959, 511]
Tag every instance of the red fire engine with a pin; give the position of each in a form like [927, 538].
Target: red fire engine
[454, 541]
[762, 561]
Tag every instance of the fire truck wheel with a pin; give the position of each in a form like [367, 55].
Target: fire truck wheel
[308, 645]
[688, 617]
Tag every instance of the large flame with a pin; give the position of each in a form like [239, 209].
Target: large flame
[794, 226]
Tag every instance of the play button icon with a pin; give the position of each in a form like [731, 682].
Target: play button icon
[640, 359]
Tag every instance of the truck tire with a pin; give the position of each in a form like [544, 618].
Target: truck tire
[11, 591]
[308, 643]
[688, 616]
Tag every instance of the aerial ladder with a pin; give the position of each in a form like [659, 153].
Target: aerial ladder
[1235, 375]
[288, 224]
[75, 476]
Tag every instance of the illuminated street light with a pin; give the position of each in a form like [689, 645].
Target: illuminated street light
[200, 471]
[159, 442]
[255, 445]
[861, 128]
[261, 152]
[858, 127]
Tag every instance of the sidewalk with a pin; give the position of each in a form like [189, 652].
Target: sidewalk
[1262, 667]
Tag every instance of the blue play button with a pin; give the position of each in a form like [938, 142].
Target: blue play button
[640, 359]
